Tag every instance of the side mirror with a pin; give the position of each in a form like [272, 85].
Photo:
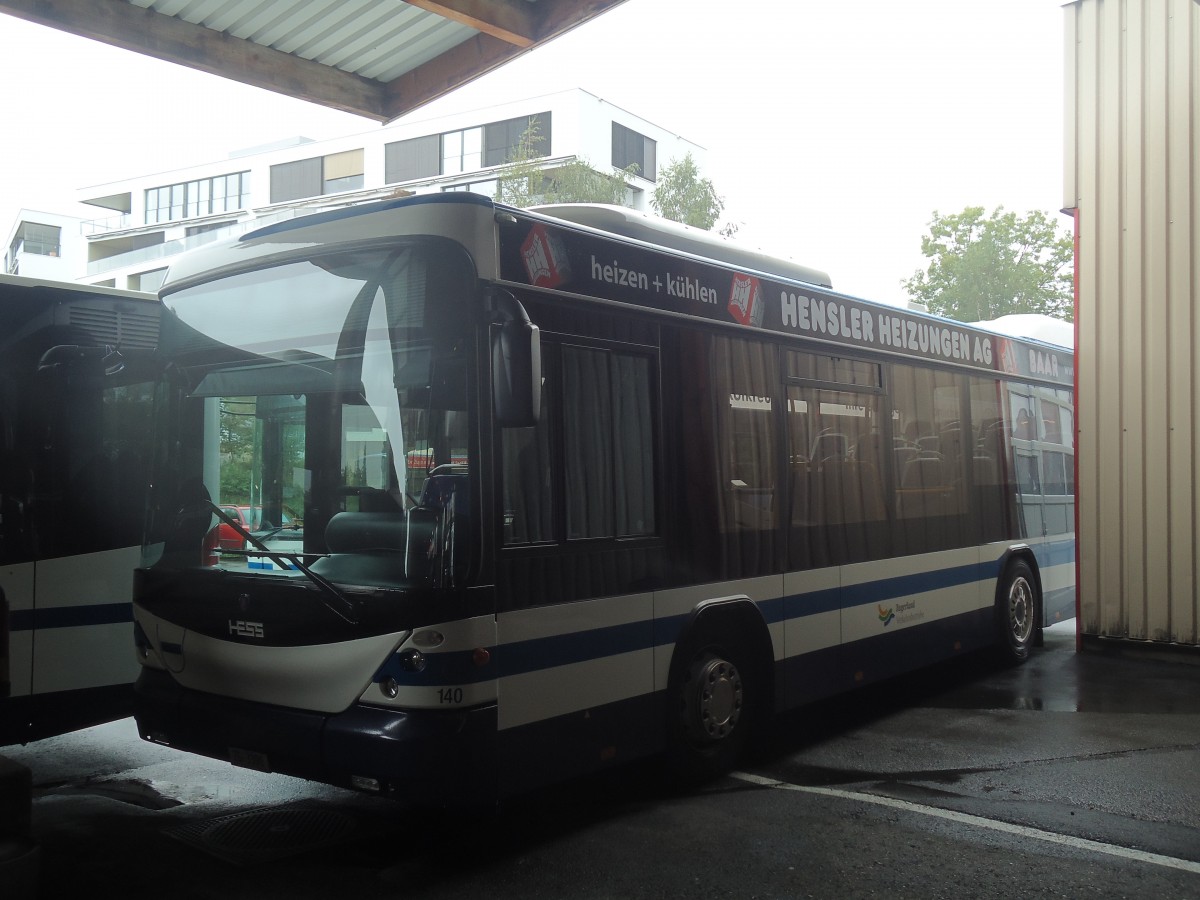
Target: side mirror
[98, 359]
[102, 360]
[517, 373]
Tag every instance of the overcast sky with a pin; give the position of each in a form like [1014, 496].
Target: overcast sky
[834, 130]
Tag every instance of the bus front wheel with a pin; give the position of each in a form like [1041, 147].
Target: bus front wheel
[1017, 610]
[711, 714]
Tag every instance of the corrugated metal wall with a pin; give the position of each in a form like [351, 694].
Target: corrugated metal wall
[1132, 123]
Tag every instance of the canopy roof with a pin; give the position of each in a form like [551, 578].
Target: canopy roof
[375, 58]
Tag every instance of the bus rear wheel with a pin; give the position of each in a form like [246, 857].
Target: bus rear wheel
[711, 714]
[1017, 610]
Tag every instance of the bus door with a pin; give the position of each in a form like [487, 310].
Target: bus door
[1040, 426]
[580, 523]
[1026, 454]
[838, 515]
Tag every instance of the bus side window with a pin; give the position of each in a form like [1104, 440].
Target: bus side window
[528, 492]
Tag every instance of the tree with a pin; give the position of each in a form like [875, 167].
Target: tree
[683, 196]
[985, 267]
[526, 181]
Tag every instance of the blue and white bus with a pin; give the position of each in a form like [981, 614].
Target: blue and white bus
[568, 487]
[76, 387]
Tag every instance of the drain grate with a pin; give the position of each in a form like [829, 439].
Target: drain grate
[263, 835]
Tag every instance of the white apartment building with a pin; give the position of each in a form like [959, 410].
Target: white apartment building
[151, 218]
[46, 245]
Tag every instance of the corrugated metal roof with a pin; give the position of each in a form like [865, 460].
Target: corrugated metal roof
[376, 58]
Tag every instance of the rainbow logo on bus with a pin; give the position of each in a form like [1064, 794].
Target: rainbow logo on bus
[886, 615]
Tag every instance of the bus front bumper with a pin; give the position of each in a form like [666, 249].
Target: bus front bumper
[428, 757]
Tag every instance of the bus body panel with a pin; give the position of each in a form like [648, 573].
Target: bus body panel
[75, 371]
[1056, 566]
[83, 617]
[568, 659]
[17, 582]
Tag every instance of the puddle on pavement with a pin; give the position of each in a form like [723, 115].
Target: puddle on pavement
[136, 793]
[266, 835]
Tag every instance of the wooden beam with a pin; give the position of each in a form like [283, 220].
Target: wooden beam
[512, 22]
[450, 70]
[121, 24]
[483, 53]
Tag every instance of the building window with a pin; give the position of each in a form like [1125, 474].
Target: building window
[38, 239]
[468, 150]
[193, 199]
[462, 151]
[501, 139]
[409, 160]
[343, 171]
[296, 180]
[630, 148]
[316, 176]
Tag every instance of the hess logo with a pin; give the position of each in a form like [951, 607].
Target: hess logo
[246, 629]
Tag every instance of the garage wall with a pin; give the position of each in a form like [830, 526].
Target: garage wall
[1132, 177]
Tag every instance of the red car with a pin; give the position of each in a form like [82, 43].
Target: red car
[249, 517]
[224, 536]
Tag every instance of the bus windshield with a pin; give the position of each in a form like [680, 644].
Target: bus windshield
[327, 397]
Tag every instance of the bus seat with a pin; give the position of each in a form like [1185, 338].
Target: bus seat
[830, 445]
[923, 488]
[902, 456]
[349, 532]
[870, 449]
[923, 472]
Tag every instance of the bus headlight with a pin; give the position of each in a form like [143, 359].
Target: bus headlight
[412, 660]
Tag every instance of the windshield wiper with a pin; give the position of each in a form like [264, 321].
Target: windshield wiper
[340, 605]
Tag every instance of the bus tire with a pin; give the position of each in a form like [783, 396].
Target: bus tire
[1017, 610]
[712, 708]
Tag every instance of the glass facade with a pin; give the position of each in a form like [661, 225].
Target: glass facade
[193, 199]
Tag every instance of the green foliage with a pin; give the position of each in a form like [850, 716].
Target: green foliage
[986, 267]
[237, 449]
[526, 182]
[683, 196]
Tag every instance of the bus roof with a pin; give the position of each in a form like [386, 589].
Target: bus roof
[623, 256]
[632, 223]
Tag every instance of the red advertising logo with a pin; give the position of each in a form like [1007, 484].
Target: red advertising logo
[545, 258]
[1008, 356]
[744, 300]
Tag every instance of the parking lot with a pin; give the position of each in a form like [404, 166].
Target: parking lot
[1073, 775]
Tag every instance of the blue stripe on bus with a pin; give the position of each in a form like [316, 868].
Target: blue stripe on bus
[810, 603]
[905, 585]
[539, 654]
[70, 616]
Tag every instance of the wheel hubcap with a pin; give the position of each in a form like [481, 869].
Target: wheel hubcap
[713, 703]
[1020, 610]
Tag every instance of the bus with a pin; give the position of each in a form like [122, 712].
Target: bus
[571, 487]
[76, 385]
